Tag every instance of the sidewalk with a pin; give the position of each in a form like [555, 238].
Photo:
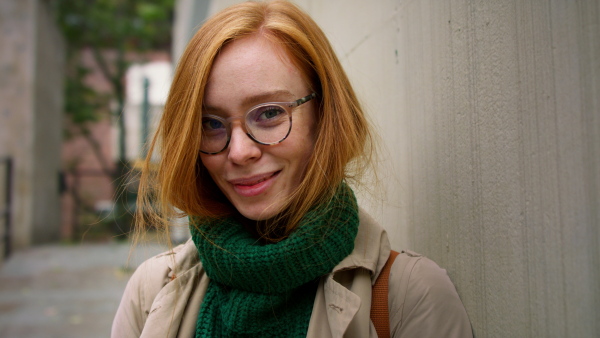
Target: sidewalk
[66, 290]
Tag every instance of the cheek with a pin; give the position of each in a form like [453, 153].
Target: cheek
[309, 136]
[211, 163]
[304, 145]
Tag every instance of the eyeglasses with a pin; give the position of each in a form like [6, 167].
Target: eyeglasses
[267, 123]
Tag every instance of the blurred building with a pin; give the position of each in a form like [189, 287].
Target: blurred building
[87, 163]
[147, 86]
[32, 54]
[89, 175]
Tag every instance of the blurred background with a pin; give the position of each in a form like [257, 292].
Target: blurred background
[489, 121]
[82, 83]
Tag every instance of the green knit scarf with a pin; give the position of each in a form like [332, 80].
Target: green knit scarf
[268, 290]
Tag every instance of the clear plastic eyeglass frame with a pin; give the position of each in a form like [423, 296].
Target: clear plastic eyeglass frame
[219, 137]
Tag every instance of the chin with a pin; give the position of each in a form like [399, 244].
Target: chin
[257, 213]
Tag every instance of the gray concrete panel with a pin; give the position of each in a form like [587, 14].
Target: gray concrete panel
[489, 113]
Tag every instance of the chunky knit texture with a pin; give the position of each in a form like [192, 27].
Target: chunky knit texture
[268, 290]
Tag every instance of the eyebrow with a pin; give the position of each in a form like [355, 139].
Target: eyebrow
[258, 99]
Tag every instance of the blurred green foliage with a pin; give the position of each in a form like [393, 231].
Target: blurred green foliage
[116, 26]
[127, 24]
[114, 33]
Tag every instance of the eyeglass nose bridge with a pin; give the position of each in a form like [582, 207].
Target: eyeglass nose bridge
[248, 131]
[242, 122]
[243, 125]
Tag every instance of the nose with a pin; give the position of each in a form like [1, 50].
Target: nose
[242, 149]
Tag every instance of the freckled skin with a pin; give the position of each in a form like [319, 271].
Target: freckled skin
[245, 69]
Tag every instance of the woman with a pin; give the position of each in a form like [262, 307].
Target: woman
[260, 134]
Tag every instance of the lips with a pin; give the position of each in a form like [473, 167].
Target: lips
[255, 185]
[253, 180]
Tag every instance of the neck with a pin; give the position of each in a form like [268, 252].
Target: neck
[266, 231]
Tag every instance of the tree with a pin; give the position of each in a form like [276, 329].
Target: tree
[116, 32]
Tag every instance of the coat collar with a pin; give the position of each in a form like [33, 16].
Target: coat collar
[371, 248]
[185, 257]
[343, 304]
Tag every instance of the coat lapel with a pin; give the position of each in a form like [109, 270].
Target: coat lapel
[174, 311]
[343, 301]
[341, 306]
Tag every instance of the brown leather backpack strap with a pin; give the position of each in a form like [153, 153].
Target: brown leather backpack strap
[379, 299]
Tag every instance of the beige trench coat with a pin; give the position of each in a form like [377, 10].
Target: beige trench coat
[163, 297]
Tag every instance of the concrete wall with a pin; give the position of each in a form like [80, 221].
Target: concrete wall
[490, 116]
[31, 71]
[189, 15]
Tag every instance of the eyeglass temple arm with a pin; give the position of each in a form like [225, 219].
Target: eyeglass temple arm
[304, 99]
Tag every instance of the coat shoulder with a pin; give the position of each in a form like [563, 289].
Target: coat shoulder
[423, 301]
[146, 283]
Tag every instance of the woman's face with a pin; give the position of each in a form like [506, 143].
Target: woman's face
[258, 178]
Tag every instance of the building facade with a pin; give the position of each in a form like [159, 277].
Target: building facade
[32, 58]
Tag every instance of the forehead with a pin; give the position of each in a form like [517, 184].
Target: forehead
[251, 67]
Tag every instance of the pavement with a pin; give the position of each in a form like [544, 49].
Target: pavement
[66, 290]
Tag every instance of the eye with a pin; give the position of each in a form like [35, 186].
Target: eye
[267, 113]
[211, 124]
[271, 113]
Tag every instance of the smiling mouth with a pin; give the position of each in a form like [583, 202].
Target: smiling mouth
[254, 186]
[252, 182]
